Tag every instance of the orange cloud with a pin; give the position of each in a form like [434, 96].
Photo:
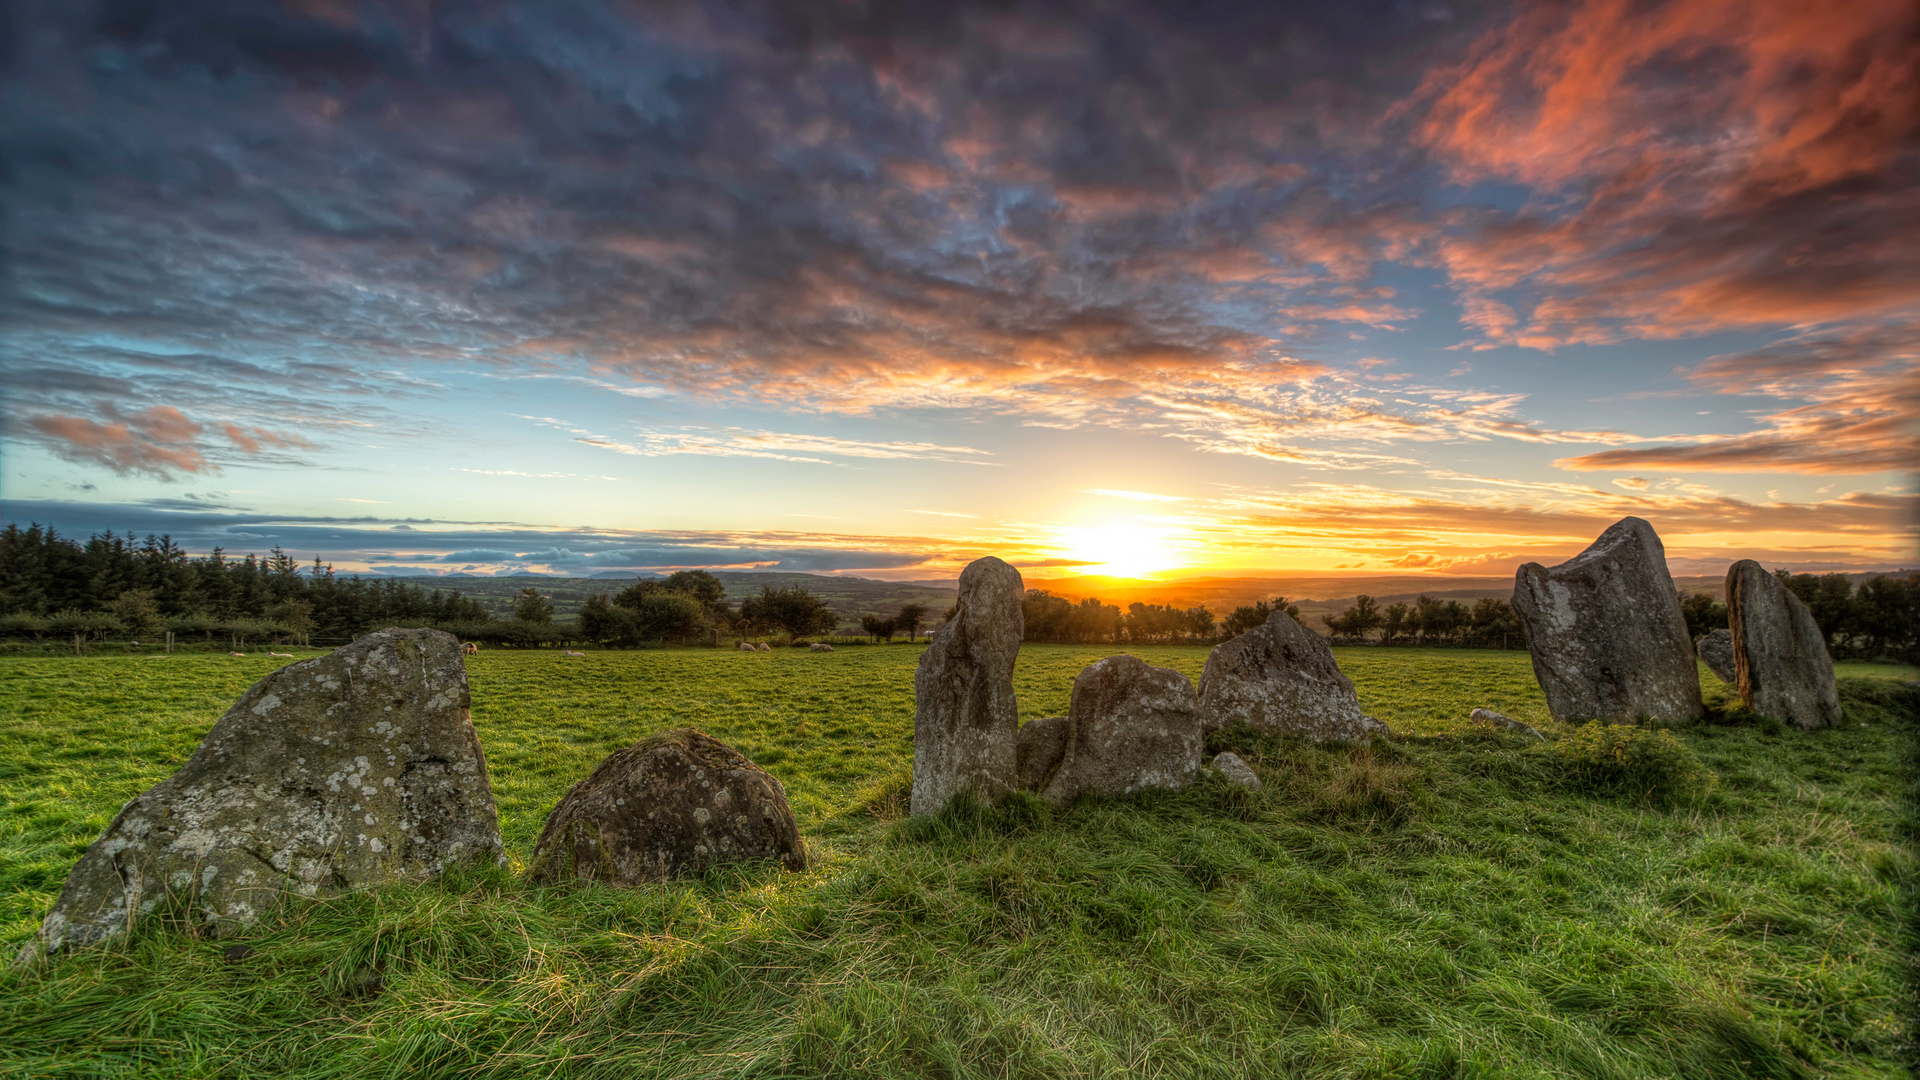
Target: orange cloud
[159, 441]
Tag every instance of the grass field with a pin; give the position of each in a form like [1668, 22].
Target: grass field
[1444, 906]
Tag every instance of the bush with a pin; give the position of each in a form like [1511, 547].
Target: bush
[1624, 759]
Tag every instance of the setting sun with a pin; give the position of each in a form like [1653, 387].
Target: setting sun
[1121, 550]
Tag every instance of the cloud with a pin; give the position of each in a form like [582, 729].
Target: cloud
[735, 442]
[158, 441]
[1135, 496]
[1696, 165]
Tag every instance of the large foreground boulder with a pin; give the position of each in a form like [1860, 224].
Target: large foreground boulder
[666, 807]
[1781, 665]
[965, 719]
[1716, 651]
[352, 769]
[1129, 727]
[1281, 677]
[1606, 633]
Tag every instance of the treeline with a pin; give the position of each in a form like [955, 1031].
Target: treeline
[1879, 618]
[1491, 623]
[112, 585]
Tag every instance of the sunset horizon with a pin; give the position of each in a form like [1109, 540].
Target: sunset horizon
[1146, 294]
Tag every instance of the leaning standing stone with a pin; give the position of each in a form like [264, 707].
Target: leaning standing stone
[1606, 633]
[352, 769]
[965, 718]
[1781, 665]
[1716, 649]
[667, 807]
[1130, 727]
[1281, 677]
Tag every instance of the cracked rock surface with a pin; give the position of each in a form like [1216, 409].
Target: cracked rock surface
[352, 769]
[1606, 634]
[668, 806]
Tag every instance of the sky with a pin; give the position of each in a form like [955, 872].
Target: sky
[883, 287]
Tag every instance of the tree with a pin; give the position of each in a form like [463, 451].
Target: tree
[703, 587]
[1357, 621]
[1703, 613]
[1494, 623]
[1393, 623]
[909, 618]
[877, 627]
[136, 610]
[531, 607]
[606, 623]
[1244, 619]
[296, 616]
[791, 608]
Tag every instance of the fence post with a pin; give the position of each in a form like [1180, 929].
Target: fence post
[78, 649]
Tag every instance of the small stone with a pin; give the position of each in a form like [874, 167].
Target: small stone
[1130, 727]
[1781, 665]
[1606, 634]
[1716, 651]
[667, 807]
[965, 719]
[1042, 743]
[1281, 677]
[349, 770]
[1237, 771]
[233, 954]
[1488, 716]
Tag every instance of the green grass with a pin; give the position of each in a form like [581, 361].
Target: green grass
[1444, 906]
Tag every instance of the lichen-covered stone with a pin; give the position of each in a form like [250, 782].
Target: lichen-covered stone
[1606, 634]
[1237, 771]
[1281, 677]
[352, 769]
[666, 807]
[1781, 665]
[1041, 745]
[1716, 650]
[1130, 727]
[965, 718]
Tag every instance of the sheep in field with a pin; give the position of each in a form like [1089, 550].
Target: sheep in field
[764, 647]
[288, 655]
[469, 649]
[570, 652]
[236, 654]
[747, 646]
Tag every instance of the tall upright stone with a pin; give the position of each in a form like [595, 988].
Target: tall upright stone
[1605, 629]
[1130, 727]
[1281, 677]
[965, 719]
[1781, 665]
[352, 769]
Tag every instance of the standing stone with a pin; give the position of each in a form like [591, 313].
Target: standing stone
[1130, 727]
[1606, 633]
[965, 718]
[1237, 771]
[1280, 677]
[666, 807]
[1717, 650]
[349, 770]
[1781, 665]
[1041, 745]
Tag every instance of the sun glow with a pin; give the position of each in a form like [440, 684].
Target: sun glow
[1121, 550]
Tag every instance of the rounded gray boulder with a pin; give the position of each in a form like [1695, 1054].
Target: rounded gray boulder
[668, 806]
[1130, 727]
[1281, 677]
